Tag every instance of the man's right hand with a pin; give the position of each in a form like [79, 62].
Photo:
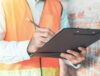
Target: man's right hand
[40, 37]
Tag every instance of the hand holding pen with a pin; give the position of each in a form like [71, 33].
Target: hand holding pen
[41, 36]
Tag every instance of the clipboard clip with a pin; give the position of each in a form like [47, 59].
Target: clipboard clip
[88, 32]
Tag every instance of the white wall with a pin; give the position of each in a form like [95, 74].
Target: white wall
[83, 12]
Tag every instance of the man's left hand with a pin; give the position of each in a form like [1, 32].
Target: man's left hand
[73, 56]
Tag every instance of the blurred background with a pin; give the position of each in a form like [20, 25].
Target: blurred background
[86, 14]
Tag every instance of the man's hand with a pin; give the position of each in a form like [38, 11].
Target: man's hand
[40, 37]
[75, 57]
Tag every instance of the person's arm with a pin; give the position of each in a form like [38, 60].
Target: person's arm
[65, 24]
[13, 51]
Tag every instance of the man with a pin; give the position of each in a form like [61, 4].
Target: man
[19, 37]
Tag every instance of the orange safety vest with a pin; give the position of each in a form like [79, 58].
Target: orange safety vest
[18, 29]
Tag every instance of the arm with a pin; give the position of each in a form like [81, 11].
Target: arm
[65, 24]
[11, 52]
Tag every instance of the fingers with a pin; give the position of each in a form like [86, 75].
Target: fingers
[40, 41]
[67, 56]
[45, 31]
[73, 56]
[41, 36]
[76, 54]
[83, 51]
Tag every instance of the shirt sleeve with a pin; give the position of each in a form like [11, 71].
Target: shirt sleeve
[10, 52]
[13, 52]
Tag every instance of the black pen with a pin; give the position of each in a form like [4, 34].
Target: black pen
[34, 24]
[32, 21]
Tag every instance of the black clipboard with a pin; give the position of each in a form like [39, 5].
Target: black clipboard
[68, 38]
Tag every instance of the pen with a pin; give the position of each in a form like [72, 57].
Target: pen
[34, 24]
[32, 21]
